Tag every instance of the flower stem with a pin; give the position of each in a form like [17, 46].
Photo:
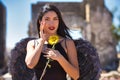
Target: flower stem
[47, 64]
[43, 73]
[53, 47]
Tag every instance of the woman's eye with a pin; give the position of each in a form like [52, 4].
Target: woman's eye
[56, 19]
[46, 19]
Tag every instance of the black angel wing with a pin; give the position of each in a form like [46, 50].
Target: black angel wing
[87, 56]
[88, 60]
[17, 66]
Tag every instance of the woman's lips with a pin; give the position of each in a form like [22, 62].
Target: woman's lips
[51, 28]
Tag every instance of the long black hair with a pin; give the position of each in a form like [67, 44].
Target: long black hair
[62, 28]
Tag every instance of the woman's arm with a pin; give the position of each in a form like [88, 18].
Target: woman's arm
[70, 67]
[33, 53]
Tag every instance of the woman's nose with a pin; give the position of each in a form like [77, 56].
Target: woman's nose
[51, 22]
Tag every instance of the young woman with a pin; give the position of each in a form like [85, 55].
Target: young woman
[64, 56]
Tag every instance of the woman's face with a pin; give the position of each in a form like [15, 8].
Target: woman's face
[51, 22]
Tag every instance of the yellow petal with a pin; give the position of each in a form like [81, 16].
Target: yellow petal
[53, 39]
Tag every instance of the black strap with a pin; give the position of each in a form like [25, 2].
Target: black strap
[65, 44]
[61, 41]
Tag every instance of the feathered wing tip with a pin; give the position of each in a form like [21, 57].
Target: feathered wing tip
[88, 59]
[17, 66]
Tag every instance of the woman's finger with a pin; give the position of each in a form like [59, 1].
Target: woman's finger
[42, 26]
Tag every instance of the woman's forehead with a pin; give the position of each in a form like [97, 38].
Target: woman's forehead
[50, 14]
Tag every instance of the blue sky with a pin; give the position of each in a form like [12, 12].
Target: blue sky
[19, 16]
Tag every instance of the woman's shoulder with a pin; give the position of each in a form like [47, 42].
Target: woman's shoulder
[32, 42]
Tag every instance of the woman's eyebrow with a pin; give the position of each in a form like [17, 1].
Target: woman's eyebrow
[49, 17]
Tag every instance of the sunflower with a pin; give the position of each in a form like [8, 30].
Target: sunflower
[53, 40]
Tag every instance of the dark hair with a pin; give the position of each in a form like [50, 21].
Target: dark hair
[62, 28]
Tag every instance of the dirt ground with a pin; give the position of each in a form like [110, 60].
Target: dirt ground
[112, 75]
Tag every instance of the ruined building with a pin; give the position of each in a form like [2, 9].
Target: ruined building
[72, 13]
[93, 19]
[2, 33]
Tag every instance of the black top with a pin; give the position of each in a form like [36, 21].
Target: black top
[56, 72]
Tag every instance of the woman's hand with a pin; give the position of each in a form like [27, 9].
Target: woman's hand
[52, 54]
[43, 36]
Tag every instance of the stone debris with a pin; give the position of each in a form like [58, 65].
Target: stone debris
[112, 75]
[6, 76]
